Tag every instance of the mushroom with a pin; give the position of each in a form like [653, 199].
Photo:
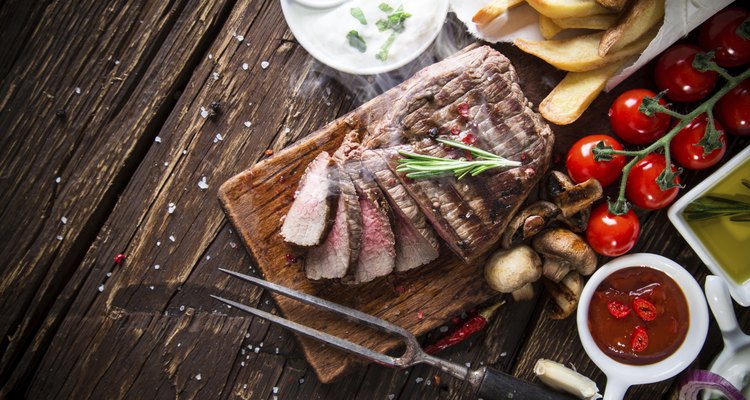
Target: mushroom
[528, 222]
[570, 197]
[514, 271]
[564, 251]
[565, 294]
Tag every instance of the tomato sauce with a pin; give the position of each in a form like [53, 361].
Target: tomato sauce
[631, 301]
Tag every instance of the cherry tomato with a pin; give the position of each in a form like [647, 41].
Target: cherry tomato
[642, 189]
[674, 72]
[733, 110]
[581, 165]
[645, 309]
[610, 234]
[639, 339]
[633, 126]
[687, 152]
[719, 33]
[617, 309]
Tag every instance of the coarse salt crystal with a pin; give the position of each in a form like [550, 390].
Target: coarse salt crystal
[260, 344]
[443, 329]
[166, 164]
[210, 56]
[245, 66]
[419, 380]
[218, 137]
[264, 64]
[108, 274]
[59, 237]
[77, 90]
[256, 350]
[428, 383]
[240, 38]
[64, 220]
[275, 390]
[277, 350]
[468, 365]
[58, 180]
[171, 207]
[171, 238]
[182, 308]
[204, 112]
[247, 336]
[117, 62]
[242, 364]
[301, 380]
[244, 386]
[202, 183]
[101, 287]
[151, 287]
[157, 139]
[184, 151]
[208, 257]
[158, 243]
[157, 266]
[248, 124]
[198, 377]
[215, 75]
[391, 396]
[503, 354]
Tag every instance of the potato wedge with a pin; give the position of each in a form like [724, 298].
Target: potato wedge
[547, 27]
[580, 53]
[492, 10]
[572, 96]
[598, 22]
[642, 16]
[568, 8]
[616, 5]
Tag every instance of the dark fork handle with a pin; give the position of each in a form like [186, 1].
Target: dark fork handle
[497, 385]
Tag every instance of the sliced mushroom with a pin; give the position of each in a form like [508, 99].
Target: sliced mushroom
[565, 294]
[528, 222]
[514, 271]
[578, 221]
[564, 251]
[570, 197]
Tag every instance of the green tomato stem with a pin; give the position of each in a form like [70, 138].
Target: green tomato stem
[620, 205]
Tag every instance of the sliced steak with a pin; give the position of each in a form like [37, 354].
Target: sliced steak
[310, 216]
[340, 250]
[416, 242]
[377, 251]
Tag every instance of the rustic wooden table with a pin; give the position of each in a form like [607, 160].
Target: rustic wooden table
[102, 148]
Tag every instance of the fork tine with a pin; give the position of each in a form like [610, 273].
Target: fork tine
[315, 334]
[347, 312]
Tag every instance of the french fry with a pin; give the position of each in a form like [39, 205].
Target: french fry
[598, 22]
[616, 5]
[572, 96]
[580, 53]
[637, 20]
[492, 10]
[568, 8]
[547, 27]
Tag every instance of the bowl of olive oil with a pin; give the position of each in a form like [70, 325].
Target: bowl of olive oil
[714, 219]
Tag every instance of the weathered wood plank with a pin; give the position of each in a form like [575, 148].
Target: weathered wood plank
[127, 61]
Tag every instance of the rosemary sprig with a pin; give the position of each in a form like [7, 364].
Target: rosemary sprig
[650, 106]
[712, 206]
[419, 166]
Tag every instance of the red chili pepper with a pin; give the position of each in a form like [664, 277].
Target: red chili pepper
[469, 139]
[463, 110]
[471, 326]
[617, 309]
[119, 259]
[645, 309]
[639, 339]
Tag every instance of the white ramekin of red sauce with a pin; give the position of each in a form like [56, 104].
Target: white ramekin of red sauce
[642, 318]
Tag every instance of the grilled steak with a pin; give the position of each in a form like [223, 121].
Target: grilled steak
[340, 250]
[310, 216]
[416, 243]
[473, 97]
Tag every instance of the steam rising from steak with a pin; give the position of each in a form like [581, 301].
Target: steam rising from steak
[472, 96]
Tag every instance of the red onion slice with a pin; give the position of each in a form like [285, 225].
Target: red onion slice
[699, 379]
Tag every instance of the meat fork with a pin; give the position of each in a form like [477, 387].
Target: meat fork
[489, 383]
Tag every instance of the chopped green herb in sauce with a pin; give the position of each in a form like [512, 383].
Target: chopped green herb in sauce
[385, 7]
[394, 21]
[356, 41]
[383, 53]
[359, 15]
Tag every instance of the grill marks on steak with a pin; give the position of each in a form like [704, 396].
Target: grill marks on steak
[416, 242]
[340, 250]
[310, 216]
[470, 214]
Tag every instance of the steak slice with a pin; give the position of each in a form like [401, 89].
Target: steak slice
[377, 251]
[310, 215]
[340, 250]
[416, 242]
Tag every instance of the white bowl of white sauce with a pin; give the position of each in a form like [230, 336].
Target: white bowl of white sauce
[323, 31]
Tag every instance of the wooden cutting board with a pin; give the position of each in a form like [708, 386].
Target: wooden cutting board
[256, 199]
